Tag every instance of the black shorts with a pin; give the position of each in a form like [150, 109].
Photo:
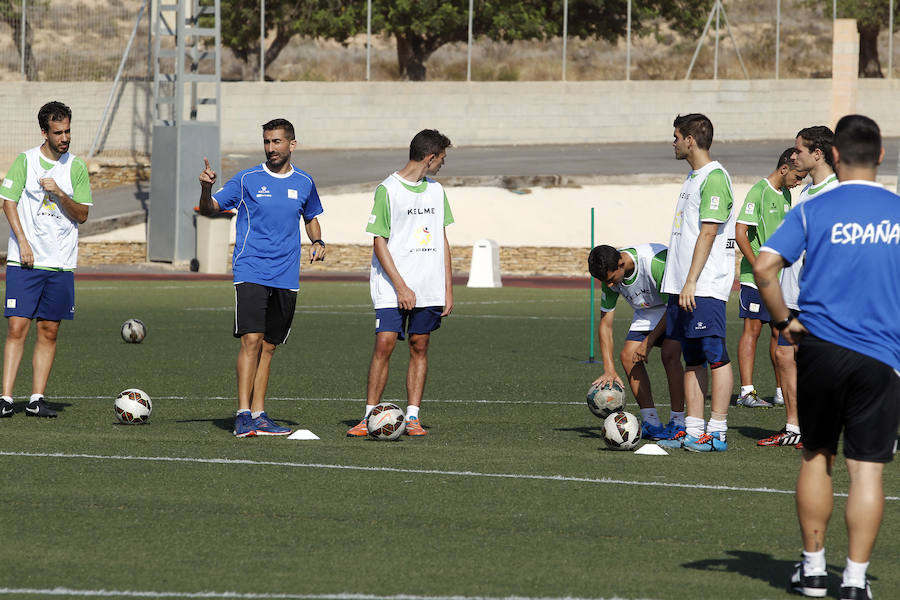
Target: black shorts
[262, 309]
[837, 389]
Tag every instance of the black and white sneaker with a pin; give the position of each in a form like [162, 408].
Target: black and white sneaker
[851, 592]
[39, 408]
[813, 586]
[6, 408]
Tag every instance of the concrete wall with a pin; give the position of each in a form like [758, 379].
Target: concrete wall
[383, 114]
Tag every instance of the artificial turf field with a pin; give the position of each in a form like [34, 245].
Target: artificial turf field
[510, 494]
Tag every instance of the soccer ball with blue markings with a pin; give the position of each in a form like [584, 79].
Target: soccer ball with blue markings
[605, 399]
[621, 431]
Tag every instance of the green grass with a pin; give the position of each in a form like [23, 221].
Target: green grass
[510, 494]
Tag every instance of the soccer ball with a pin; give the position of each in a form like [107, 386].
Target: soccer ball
[133, 407]
[605, 399]
[386, 422]
[134, 331]
[621, 431]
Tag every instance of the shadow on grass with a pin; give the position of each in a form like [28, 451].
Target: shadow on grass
[586, 432]
[752, 432]
[19, 407]
[762, 566]
[227, 423]
[750, 564]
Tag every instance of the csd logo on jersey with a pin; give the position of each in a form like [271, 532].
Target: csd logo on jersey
[423, 235]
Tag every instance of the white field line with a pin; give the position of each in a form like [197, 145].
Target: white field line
[353, 400]
[61, 591]
[521, 476]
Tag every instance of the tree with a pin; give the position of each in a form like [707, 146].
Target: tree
[334, 19]
[871, 16]
[11, 14]
[420, 27]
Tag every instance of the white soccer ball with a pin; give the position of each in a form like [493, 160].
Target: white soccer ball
[621, 431]
[605, 399]
[386, 421]
[134, 331]
[133, 407]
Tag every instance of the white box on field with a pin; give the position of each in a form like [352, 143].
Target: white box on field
[484, 271]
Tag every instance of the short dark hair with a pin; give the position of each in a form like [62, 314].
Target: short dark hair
[697, 126]
[602, 260]
[53, 111]
[858, 139]
[785, 158]
[818, 137]
[428, 141]
[280, 124]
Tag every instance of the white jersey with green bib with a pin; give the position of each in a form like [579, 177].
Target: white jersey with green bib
[641, 289]
[50, 232]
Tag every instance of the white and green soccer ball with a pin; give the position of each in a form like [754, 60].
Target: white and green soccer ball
[605, 399]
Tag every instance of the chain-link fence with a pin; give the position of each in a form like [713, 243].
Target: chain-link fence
[80, 40]
[84, 40]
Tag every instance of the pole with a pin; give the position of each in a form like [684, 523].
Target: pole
[591, 332]
[716, 53]
[22, 36]
[369, 40]
[891, 40]
[469, 46]
[565, 36]
[628, 45]
[778, 36]
[262, 40]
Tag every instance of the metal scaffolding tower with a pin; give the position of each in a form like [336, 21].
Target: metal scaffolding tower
[186, 118]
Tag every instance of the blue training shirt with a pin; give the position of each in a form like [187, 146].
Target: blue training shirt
[270, 211]
[849, 286]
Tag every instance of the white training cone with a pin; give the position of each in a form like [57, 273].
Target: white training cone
[652, 450]
[303, 434]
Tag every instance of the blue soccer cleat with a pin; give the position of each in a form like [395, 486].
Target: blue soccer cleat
[654, 432]
[263, 425]
[708, 442]
[243, 425]
[676, 441]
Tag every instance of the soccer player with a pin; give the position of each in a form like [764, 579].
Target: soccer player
[271, 199]
[764, 208]
[635, 273]
[410, 279]
[812, 153]
[848, 358]
[698, 278]
[46, 195]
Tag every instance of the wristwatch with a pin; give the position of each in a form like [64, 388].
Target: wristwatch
[781, 325]
[319, 242]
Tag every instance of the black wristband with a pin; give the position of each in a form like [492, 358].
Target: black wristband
[782, 325]
[319, 242]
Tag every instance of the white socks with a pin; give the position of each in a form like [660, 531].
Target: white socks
[746, 389]
[694, 426]
[369, 408]
[814, 562]
[36, 397]
[412, 412]
[855, 574]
